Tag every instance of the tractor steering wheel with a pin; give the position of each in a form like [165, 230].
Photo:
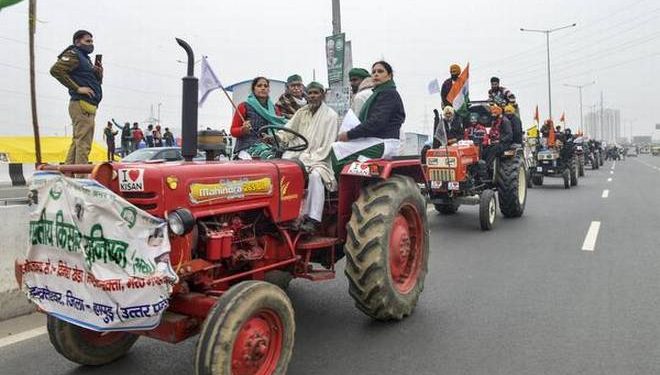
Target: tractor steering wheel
[278, 145]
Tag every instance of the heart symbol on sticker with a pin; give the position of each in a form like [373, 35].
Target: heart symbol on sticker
[133, 174]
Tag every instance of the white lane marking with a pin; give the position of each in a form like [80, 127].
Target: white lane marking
[13, 339]
[613, 164]
[611, 172]
[606, 193]
[609, 179]
[589, 243]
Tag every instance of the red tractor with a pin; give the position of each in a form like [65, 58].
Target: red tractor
[455, 177]
[235, 251]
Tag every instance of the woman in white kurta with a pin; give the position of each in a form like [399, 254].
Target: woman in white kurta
[319, 124]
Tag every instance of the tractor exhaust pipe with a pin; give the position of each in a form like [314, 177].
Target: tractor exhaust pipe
[189, 106]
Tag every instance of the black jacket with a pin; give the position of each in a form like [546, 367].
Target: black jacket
[506, 133]
[454, 129]
[444, 91]
[516, 127]
[385, 117]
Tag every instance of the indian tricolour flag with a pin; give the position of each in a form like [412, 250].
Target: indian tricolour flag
[459, 95]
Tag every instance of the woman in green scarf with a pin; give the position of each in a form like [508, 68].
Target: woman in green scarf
[381, 117]
[253, 114]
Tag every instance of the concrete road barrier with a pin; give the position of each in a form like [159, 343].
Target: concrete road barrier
[15, 174]
[13, 245]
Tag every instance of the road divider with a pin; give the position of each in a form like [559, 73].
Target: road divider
[589, 243]
[26, 335]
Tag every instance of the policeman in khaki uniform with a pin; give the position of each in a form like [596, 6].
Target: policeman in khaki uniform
[75, 70]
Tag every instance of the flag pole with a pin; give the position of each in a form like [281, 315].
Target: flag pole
[232, 103]
[32, 17]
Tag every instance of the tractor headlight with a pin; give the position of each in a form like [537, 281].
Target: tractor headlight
[180, 221]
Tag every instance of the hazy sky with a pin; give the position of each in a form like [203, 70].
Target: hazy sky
[616, 43]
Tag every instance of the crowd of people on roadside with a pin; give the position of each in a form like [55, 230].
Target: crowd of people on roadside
[134, 138]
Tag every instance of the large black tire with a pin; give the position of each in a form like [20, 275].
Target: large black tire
[251, 326]
[387, 248]
[537, 179]
[528, 178]
[581, 167]
[85, 346]
[566, 175]
[446, 208]
[512, 187]
[280, 278]
[574, 173]
[487, 209]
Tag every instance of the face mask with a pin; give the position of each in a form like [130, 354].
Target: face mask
[87, 48]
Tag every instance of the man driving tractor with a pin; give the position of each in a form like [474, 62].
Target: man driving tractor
[318, 123]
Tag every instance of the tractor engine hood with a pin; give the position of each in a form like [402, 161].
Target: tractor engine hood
[213, 188]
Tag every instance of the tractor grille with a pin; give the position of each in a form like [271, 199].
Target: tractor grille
[443, 175]
[146, 201]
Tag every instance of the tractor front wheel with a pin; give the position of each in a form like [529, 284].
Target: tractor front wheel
[387, 248]
[487, 209]
[566, 175]
[249, 331]
[537, 179]
[87, 347]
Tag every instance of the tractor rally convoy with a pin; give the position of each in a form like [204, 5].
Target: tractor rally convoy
[175, 249]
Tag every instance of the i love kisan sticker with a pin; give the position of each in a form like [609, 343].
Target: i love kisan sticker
[131, 179]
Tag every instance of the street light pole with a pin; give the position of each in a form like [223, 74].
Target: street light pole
[547, 44]
[580, 87]
[336, 17]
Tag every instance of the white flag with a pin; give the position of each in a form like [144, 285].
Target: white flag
[207, 82]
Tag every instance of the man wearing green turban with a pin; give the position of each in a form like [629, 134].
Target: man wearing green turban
[361, 84]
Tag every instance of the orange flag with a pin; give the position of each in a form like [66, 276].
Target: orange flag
[551, 133]
[537, 120]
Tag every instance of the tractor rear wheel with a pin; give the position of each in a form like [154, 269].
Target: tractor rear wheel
[248, 331]
[581, 167]
[87, 347]
[566, 175]
[512, 187]
[446, 208]
[387, 248]
[574, 173]
[280, 278]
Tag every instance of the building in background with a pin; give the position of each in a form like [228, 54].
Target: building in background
[241, 90]
[413, 143]
[604, 126]
[642, 140]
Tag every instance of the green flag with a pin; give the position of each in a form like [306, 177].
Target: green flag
[6, 3]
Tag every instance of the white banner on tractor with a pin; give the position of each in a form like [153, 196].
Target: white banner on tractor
[94, 259]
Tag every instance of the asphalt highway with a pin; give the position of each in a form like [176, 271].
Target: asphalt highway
[572, 287]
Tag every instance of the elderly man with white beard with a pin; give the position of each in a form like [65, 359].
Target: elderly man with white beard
[319, 124]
